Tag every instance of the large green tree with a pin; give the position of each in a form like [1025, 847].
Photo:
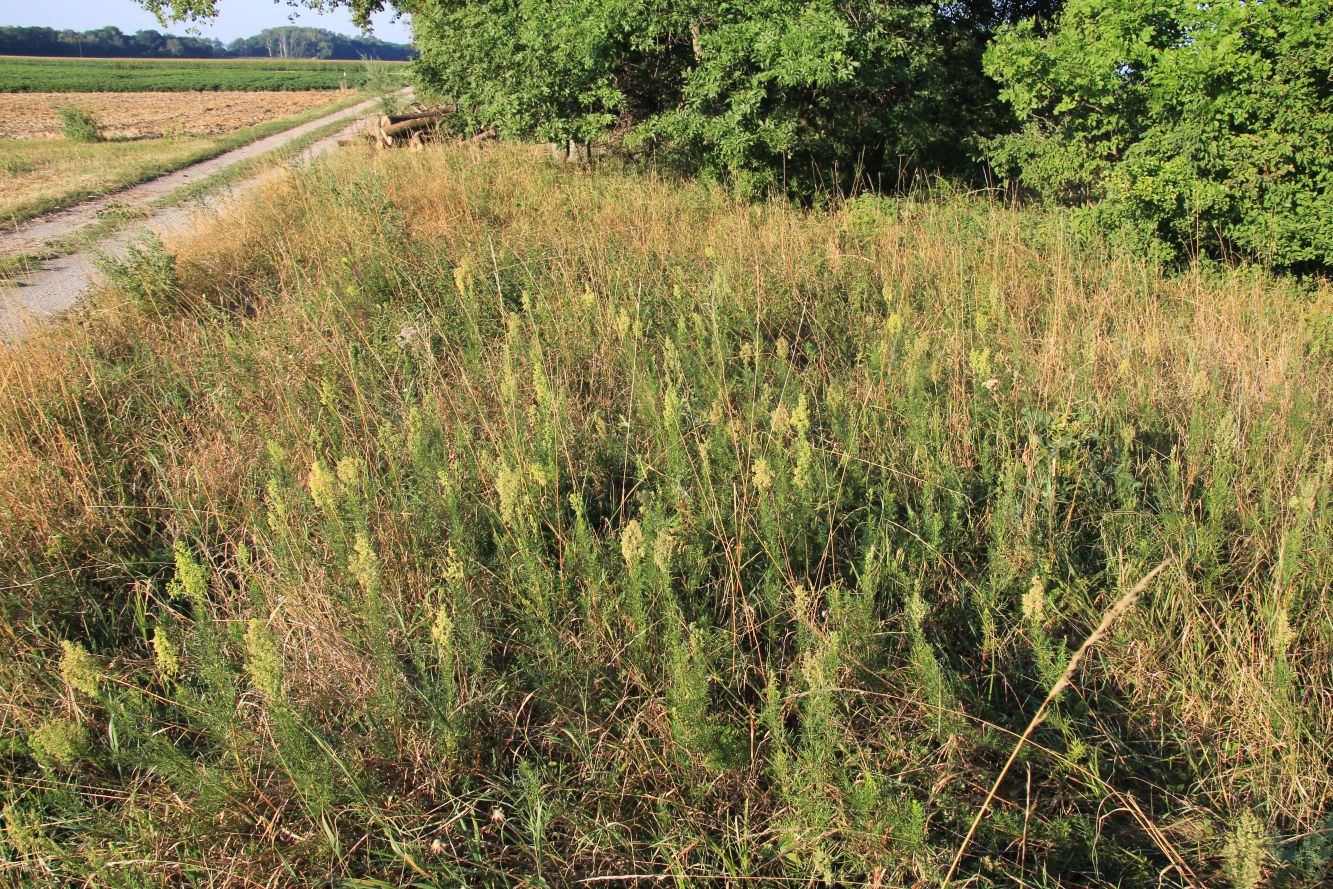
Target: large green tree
[793, 95]
[823, 92]
[1192, 126]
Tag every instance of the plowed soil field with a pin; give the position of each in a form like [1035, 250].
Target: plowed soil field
[140, 115]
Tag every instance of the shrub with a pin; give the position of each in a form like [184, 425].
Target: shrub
[1198, 127]
[808, 96]
[385, 81]
[786, 95]
[789, 95]
[79, 125]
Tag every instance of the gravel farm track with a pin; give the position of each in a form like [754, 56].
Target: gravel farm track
[60, 283]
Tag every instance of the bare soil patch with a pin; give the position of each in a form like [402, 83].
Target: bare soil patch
[138, 115]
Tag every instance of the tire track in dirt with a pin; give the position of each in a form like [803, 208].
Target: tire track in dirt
[61, 282]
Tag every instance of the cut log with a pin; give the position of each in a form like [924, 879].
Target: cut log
[388, 120]
[407, 127]
[478, 138]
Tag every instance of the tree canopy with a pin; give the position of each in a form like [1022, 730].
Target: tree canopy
[794, 95]
[1188, 126]
[104, 42]
[1191, 127]
[202, 10]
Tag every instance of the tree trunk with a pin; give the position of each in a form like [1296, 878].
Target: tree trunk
[407, 127]
[389, 120]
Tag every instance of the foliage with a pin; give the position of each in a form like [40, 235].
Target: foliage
[292, 42]
[545, 71]
[825, 95]
[60, 743]
[24, 75]
[1189, 129]
[1192, 127]
[465, 519]
[791, 95]
[108, 42]
[780, 94]
[79, 125]
[385, 81]
[289, 41]
[197, 10]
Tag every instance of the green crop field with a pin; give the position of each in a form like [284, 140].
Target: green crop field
[33, 75]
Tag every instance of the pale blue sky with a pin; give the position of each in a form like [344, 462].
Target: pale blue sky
[238, 18]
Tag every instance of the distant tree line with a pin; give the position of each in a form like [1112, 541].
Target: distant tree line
[288, 42]
[294, 42]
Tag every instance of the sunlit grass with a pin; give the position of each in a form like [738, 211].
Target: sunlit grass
[463, 519]
[48, 174]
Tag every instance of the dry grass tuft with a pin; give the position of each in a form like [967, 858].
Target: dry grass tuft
[518, 524]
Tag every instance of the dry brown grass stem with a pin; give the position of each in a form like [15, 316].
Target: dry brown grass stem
[1108, 620]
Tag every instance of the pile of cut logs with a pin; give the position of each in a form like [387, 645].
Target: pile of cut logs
[413, 129]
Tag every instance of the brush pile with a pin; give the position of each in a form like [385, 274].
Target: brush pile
[414, 130]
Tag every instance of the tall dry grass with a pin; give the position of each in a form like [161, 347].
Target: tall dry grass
[459, 518]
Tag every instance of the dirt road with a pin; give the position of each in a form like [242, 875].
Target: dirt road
[61, 282]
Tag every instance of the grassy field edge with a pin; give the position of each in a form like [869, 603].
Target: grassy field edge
[225, 143]
[13, 268]
[465, 518]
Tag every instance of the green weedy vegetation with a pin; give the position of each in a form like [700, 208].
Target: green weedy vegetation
[80, 125]
[467, 519]
[779, 96]
[1204, 127]
[27, 75]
